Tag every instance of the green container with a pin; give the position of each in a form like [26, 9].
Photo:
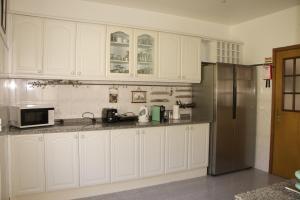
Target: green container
[155, 112]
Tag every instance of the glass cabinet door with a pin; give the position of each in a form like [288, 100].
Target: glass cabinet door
[120, 50]
[145, 53]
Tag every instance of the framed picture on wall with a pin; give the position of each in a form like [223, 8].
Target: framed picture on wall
[139, 96]
[3, 17]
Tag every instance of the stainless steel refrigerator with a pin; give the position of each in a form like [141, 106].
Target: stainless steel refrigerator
[227, 97]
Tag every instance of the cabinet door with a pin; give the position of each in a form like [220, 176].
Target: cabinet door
[27, 157]
[94, 148]
[169, 56]
[176, 148]
[152, 151]
[90, 58]
[61, 158]
[124, 154]
[191, 59]
[27, 45]
[59, 48]
[145, 52]
[2, 57]
[198, 145]
[119, 52]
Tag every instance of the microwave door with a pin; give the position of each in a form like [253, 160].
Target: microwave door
[31, 117]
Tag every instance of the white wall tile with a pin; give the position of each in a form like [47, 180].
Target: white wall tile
[71, 102]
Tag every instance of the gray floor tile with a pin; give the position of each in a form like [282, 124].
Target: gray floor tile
[205, 188]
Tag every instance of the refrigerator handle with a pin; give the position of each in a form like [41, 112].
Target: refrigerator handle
[234, 99]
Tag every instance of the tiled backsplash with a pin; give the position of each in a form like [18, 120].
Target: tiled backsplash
[4, 100]
[71, 102]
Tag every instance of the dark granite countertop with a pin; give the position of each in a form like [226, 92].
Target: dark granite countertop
[274, 192]
[78, 125]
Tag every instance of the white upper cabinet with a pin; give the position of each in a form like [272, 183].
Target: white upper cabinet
[94, 155]
[198, 145]
[119, 46]
[59, 48]
[152, 151]
[90, 58]
[169, 57]
[191, 59]
[124, 154]
[27, 45]
[176, 148]
[27, 157]
[61, 159]
[145, 52]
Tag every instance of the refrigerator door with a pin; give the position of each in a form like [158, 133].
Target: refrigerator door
[222, 141]
[245, 117]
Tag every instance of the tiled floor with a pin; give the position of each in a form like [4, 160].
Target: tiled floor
[206, 188]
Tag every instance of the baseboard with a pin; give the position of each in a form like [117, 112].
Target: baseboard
[114, 187]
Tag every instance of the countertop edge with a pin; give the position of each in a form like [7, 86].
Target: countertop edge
[97, 127]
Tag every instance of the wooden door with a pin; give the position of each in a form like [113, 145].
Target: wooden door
[191, 59]
[152, 151]
[285, 152]
[198, 146]
[27, 156]
[94, 155]
[169, 56]
[176, 148]
[27, 45]
[61, 158]
[90, 57]
[124, 154]
[59, 48]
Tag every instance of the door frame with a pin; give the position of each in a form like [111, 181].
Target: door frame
[275, 51]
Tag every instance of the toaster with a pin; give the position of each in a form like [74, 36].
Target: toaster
[110, 115]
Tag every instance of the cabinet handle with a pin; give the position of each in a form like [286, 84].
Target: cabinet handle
[137, 132]
[39, 71]
[41, 139]
[72, 73]
[76, 136]
[78, 73]
[82, 136]
[191, 128]
[183, 77]
[187, 128]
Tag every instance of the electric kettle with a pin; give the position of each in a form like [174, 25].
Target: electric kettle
[143, 114]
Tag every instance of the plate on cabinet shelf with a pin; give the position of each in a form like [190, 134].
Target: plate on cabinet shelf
[119, 44]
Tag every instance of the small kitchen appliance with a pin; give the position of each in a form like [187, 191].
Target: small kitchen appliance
[143, 114]
[158, 113]
[110, 115]
[26, 116]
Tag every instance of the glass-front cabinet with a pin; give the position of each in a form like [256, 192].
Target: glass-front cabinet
[119, 57]
[145, 53]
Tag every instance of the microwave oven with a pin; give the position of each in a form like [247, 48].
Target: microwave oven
[26, 116]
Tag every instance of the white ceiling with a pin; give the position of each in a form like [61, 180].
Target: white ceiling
[219, 11]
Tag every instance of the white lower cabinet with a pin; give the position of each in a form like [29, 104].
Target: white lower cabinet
[55, 161]
[152, 151]
[27, 162]
[124, 154]
[94, 148]
[198, 145]
[61, 159]
[176, 148]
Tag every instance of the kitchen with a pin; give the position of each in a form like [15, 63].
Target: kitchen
[88, 60]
